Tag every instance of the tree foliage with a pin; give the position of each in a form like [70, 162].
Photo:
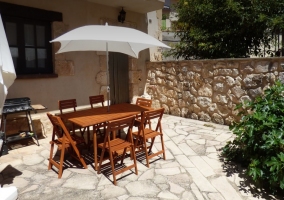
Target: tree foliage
[211, 29]
[259, 141]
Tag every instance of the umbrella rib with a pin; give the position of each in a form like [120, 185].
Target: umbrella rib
[132, 50]
[62, 47]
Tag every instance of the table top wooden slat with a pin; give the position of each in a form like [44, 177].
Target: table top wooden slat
[85, 118]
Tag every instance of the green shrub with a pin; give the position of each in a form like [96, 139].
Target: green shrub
[259, 141]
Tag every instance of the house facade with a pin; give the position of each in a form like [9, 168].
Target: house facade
[46, 77]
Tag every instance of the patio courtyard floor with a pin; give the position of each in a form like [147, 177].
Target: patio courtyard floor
[193, 169]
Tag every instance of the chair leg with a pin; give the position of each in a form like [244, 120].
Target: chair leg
[123, 155]
[112, 167]
[152, 143]
[78, 155]
[163, 147]
[96, 151]
[101, 161]
[146, 152]
[134, 159]
[60, 170]
[51, 156]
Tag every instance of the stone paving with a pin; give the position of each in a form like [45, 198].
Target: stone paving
[192, 170]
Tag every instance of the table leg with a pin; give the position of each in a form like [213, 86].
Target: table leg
[95, 149]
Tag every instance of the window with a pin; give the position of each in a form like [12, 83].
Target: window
[28, 32]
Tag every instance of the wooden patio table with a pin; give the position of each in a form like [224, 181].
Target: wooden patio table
[93, 116]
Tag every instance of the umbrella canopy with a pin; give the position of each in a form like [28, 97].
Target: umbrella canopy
[7, 70]
[107, 38]
[94, 38]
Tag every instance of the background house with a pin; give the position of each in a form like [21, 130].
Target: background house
[47, 77]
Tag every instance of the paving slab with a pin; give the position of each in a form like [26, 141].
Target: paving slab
[192, 170]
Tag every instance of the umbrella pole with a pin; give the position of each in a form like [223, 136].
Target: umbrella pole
[108, 89]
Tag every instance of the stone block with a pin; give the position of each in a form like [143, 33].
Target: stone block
[135, 76]
[132, 62]
[230, 81]
[223, 72]
[103, 63]
[265, 66]
[235, 72]
[220, 65]
[134, 90]
[216, 118]
[64, 68]
[255, 92]
[167, 109]
[246, 67]
[101, 78]
[207, 72]
[223, 110]
[232, 65]
[204, 102]
[175, 111]
[204, 116]
[281, 77]
[238, 91]
[253, 80]
[171, 70]
[219, 98]
[103, 91]
[58, 28]
[205, 90]
[180, 77]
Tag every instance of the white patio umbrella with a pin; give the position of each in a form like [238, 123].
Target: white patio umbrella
[7, 70]
[107, 38]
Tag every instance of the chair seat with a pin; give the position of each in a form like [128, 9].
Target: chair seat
[116, 144]
[148, 133]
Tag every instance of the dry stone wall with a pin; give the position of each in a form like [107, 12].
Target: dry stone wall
[209, 90]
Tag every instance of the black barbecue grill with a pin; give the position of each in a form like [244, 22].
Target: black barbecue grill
[17, 105]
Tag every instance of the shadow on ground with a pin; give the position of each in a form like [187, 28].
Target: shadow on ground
[247, 185]
[8, 175]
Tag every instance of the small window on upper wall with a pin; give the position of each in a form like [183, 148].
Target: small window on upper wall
[28, 33]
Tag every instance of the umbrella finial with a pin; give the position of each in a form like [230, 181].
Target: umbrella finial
[106, 24]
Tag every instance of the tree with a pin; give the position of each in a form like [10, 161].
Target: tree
[211, 29]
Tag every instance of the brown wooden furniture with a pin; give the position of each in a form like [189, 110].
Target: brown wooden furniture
[98, 99]
[90, 117]
[69, 104]
[64, 141]
[143, 134]
[65, 104]
[142, 102]
[114, 146]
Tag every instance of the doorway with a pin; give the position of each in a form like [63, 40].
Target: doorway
[119, 78]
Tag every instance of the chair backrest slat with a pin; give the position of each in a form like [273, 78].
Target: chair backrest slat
[144, 102]
[147, 116]
[65, 104]
[120, 124]
[97, 99]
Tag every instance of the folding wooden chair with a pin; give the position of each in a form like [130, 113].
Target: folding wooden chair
[70, 104]
[144, 102]
[143, 134]
[116, 148]
[141, 102]
[64, 141]
[98, 99]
